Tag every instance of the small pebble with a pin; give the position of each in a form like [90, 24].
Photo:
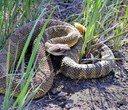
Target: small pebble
[54, 91]
[62, 94]
[69, 104]
[57, 90]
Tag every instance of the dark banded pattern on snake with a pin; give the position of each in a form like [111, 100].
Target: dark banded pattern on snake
[67, 34]
[70, 66]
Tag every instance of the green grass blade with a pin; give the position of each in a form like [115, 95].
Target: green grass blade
[7, 95]
[28, 41]
[23, 92]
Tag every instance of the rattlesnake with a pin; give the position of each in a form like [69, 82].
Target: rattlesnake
[71, 41]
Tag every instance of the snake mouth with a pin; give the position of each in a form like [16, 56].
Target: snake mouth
[58, 49]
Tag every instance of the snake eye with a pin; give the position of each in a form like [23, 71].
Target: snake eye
[57, 50]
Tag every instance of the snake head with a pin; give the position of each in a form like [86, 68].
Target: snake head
[57, 49]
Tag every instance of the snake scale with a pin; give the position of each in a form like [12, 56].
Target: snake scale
[59, 38]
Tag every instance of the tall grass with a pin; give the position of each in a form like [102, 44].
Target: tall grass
[103, 20]
[13, 14]
[92, 16]
[121, 18]
[28, 72]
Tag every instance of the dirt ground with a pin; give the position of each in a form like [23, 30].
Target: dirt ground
[108, 93]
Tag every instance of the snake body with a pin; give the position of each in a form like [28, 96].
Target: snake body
[56, 32]
[71, 68]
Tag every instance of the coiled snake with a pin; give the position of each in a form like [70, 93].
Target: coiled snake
[62, 38]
